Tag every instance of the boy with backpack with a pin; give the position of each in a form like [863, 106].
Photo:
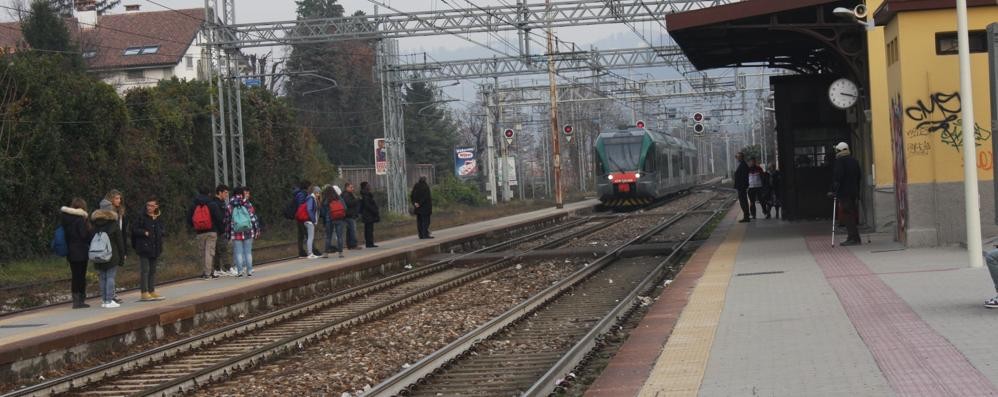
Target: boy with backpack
[242, 228]
[204, 216]
[106, 251]
[334, 213]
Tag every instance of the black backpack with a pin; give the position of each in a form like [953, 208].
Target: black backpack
[291, 208]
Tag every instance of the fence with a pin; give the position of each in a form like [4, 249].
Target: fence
[360, 173]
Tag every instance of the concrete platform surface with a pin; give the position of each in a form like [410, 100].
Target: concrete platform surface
[775, 310]
[37, 332]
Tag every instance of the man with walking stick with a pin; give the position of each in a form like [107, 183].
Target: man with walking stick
[845, 190]
[742, 185]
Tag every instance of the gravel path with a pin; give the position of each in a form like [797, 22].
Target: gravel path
[345, 364]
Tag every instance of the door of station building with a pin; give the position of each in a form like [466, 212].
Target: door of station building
[808, 127]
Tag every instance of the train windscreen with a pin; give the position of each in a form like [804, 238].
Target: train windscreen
[623, 153]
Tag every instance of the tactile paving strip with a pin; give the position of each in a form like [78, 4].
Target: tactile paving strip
[681, 366]
[915, 359]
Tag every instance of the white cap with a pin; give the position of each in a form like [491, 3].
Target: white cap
[337, 189]
[841, 146]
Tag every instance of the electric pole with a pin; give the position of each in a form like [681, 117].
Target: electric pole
[555, 150]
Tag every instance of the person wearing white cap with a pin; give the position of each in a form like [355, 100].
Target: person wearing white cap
[846, 177]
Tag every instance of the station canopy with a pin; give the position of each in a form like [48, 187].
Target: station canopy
[800, 35]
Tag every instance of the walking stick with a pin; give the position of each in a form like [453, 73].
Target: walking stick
[835, 206]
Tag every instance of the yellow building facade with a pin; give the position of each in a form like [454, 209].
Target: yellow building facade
[916, 106]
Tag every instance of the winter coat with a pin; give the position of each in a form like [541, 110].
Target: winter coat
[312, 206]
[78, 233]
[325, 214]
[123, 224]
[300, 196]
[421, 195]
[107, 221]
[846, 177]
[755, 176]
[353, 205]
[369, 212]
[222, 212]
[254, 232]
[741, 176]
[217, 215]
[148, 246]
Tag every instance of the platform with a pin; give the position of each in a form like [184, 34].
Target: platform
[53, 334]
[770, 308]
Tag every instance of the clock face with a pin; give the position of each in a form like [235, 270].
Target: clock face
[843, 93]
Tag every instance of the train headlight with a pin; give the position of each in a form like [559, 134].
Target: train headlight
[637, 175]
[610, 177]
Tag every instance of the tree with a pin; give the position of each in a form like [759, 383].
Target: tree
[45, 31]
[430, 134]
[65, 7]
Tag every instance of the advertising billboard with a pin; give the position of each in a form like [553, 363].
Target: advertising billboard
[380, 157]
[465, 163]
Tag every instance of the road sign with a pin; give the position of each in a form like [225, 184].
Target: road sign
[568, 132]
[698, 117]
[640, 124]
[509, 134]
[699, 129]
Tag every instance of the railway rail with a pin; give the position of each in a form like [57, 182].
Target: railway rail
[533, 348]
[196, 361]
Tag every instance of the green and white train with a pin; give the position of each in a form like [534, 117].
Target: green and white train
[637, 166]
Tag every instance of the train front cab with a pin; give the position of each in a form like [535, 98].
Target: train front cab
[637, 169]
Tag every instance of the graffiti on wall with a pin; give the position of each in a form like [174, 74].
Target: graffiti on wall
[938, 121]
[900, 170]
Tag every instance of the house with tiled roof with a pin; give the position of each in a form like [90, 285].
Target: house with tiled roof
[135, 48]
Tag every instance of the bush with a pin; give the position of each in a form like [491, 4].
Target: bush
[450, 191]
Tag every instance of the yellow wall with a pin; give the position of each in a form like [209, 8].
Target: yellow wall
[924, 81]
[879, 104]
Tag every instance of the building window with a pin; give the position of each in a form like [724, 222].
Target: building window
[146, 50]
[893, 55]
[189, 60]
[810, 156]
[89, 54]
[947, 43]
[136, 74]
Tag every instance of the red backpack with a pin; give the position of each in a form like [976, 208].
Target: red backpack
[337, 210]
[301, 215]
[202, 218]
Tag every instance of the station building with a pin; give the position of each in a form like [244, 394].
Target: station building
[905, 126]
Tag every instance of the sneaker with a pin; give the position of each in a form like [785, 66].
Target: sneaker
[313, 256]
[110, 305]
[250, 274]
[991, 303]
[156, 297]
[240, 275]
[205, 277]
[341, 254]
[233, 272]
[214, 275]
[325, 255]
[146, 297]
[371, 246]
[850, 242]
[116, 300]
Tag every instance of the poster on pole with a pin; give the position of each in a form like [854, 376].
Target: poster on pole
[465, 163]
[380, 157]
[510, 170]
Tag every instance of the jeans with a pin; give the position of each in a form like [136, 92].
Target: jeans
[743, 202]
[221, 251]
[337, 227]
[106, 278]
[351, 232]
[147, 274]
[242, 255]
[310, 245]
[423, 225]
[79, 283]
[753, 196]
[301, 240]
[206, 250]
[369, 234]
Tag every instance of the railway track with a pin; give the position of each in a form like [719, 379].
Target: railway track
[190, 363]
[533, 348]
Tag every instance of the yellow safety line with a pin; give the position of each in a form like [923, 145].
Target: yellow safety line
[681, 366]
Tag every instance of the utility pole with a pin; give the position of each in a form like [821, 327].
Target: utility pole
[970, 190]
[491, 148]
[555, 150]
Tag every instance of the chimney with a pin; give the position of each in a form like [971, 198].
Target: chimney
[132, 7]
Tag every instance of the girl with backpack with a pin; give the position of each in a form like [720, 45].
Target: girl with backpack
[117, 201]
[107, 237]
[242, 228]
[334, 213]
[78, 233]
[310, 218]
[147, 239]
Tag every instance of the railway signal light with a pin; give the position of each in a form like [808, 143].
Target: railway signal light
[640, 124]
[568, 132]
[699, 129]
[509, 134]
[698, 117]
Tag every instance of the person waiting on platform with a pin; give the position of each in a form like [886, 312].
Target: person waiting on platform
[741, 184]
[422, 202]
[78, 234]
[845, 188]
[107, 237]
[242, 228]
[147, 239]
[755, 184]
[775, 182]
[369, 213]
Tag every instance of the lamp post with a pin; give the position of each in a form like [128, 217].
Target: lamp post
[972, 201]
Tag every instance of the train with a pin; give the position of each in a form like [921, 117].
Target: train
[637, 166]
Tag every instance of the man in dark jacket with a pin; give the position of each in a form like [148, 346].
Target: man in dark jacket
[147, 239]
[207, 234]
[369, 214]
[221, 201]
[301, 194]
[846, 178]
[353, 208]
[422, 200]
[742, 185]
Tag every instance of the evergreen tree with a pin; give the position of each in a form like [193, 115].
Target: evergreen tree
[45, 31]
[430, 134]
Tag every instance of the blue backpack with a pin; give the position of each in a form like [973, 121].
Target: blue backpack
[59, 245]
[241, 220]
